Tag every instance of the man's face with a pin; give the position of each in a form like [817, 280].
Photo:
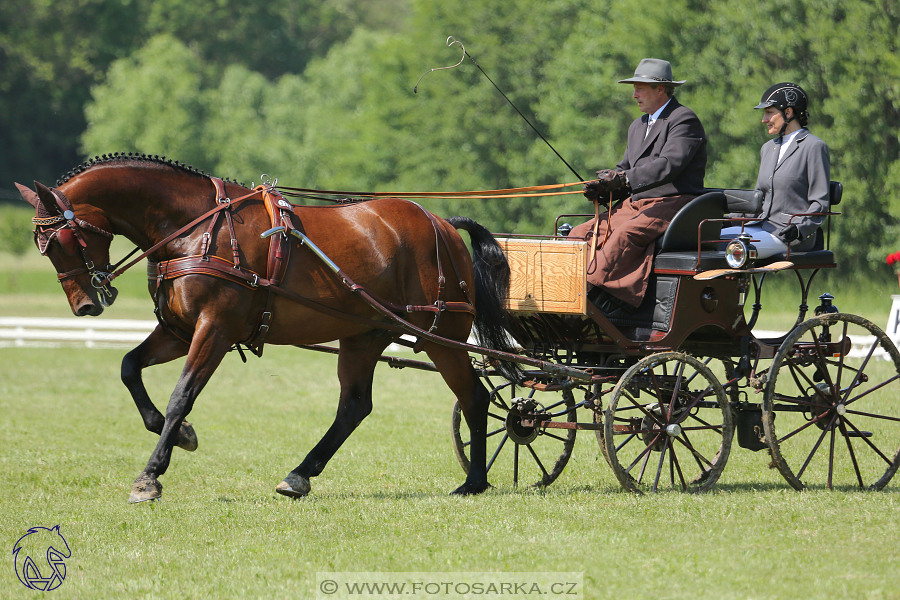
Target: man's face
[650, 97]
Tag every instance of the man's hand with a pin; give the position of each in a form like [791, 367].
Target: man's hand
[592, 190]
[610, 180]
[789, 233]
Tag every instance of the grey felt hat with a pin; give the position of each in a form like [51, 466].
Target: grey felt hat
[653, 70]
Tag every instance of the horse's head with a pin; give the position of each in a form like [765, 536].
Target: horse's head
[78, 249]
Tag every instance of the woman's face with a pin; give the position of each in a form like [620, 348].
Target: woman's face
[773, 119]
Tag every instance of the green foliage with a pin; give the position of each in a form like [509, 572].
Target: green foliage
[53, 51]
[15, 230]
[320, 94]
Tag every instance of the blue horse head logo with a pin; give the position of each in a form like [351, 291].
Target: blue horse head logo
[40, 558]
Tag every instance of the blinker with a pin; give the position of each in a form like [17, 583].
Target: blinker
[68, 241]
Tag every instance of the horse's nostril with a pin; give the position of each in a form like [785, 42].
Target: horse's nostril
[85, 309]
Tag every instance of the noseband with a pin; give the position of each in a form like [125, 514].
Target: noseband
[66, 229]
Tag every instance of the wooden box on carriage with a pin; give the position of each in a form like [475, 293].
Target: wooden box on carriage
[546, 275]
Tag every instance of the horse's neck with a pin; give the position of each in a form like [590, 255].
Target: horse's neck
[146, 207]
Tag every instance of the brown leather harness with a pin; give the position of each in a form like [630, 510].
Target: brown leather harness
[282, 218]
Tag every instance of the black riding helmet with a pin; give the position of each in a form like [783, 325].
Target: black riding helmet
[783, 95]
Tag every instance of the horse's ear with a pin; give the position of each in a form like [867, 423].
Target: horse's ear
[28, 195]
[47, 199]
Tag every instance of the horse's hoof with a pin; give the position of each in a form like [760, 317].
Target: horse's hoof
[293, 486]
[187, 439]
[470, 489]
[145, 488]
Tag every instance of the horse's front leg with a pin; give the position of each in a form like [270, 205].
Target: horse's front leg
[161, 346]
[207, 349]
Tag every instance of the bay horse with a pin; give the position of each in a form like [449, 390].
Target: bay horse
[392, 249]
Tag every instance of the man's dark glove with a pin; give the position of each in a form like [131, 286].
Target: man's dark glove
[593, 191]
[789, 233]
[611, 180]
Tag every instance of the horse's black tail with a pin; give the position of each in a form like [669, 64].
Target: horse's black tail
[491, 287]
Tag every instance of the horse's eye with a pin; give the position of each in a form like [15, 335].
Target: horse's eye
[66, 239]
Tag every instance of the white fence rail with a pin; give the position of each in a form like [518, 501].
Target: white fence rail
[116, 333]
[82, 332]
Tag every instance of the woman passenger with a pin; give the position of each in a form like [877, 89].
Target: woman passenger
[794, 174]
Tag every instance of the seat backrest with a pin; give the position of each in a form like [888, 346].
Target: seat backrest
[681, 235]
[835, 191]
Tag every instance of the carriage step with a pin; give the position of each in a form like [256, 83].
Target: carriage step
[859, 434]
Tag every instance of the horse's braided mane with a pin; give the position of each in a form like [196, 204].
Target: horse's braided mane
[122, 157]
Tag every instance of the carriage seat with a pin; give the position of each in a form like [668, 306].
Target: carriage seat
[681, 235]
[677, 248]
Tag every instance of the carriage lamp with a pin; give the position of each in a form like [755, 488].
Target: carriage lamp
[739, 252]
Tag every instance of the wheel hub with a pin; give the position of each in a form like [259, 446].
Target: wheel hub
[522, 408]
[824, 401]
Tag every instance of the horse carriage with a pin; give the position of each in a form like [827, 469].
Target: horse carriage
[672, 381]
[663, 387]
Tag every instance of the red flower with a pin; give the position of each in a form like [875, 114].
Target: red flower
[894, 259]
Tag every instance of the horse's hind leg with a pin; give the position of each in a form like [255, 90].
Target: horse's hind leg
[456, 369]
[161, 346]
[208, 348]
[356, 367]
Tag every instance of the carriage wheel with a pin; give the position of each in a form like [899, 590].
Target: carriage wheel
[668, 425]
[726, 366]
[531, 455]
[834, 386]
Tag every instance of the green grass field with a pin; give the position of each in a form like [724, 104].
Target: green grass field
[72, 443]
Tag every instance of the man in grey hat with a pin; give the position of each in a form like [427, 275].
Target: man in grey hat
[661, 171]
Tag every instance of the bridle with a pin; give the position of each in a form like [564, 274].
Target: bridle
[66, 229]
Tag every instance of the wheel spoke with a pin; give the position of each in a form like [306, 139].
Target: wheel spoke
[644, 452]
[716, 428]
[830, 484]
[537, 460]
[874, 389]
[497, 451]
[801, 428]
[547, 434]
[662, 458]
[867, 441]
[673, 459]
[697, 456]
[816, 447]
[844, 432]
[873, 416]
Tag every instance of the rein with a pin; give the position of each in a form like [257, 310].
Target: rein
[520, 192]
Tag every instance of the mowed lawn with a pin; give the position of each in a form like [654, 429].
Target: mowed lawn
[72, 443]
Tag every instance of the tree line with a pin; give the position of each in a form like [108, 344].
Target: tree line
[320, 94]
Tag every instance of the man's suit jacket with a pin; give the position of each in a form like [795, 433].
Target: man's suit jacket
[798, 183]
[671, 160]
